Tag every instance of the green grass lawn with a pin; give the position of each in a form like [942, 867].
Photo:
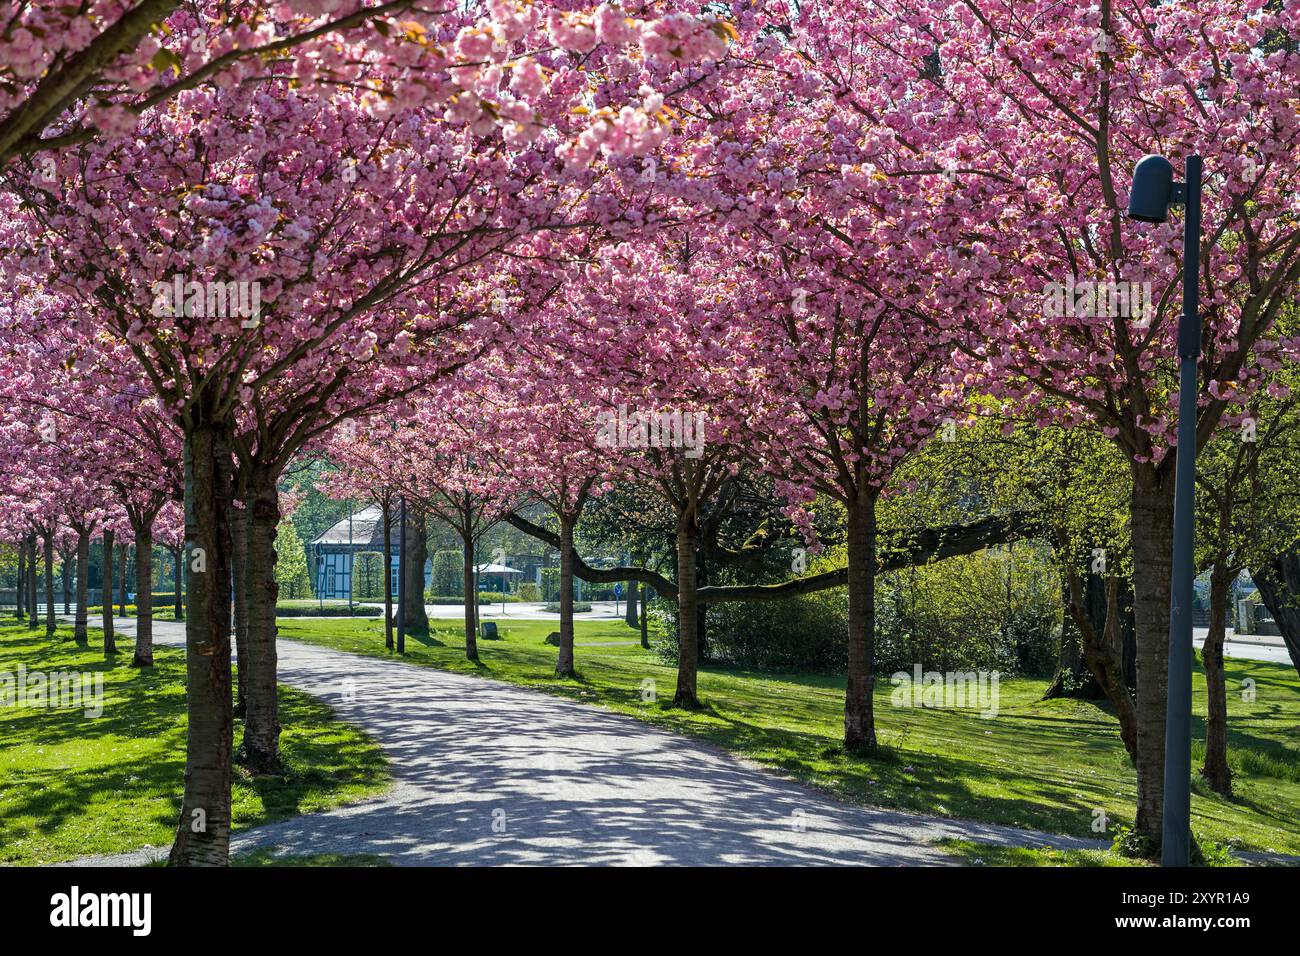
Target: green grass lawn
[1047, 765]
[72, 785]
[984, 854]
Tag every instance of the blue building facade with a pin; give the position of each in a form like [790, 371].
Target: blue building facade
[334, 553]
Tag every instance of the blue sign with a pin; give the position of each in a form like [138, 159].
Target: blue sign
[618, 591]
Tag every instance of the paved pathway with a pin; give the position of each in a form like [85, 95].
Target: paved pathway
[1250, 647]
[488, 773]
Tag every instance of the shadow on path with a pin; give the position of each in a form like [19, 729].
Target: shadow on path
[487, 773]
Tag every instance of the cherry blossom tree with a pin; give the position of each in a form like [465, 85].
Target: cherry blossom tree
[543, 436]
[1070, 99]
[69, 72]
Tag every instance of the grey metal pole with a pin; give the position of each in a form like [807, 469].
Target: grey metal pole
[401, 578]
[1177, 819]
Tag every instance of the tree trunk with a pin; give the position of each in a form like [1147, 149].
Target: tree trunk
[49, 583]
[178, 556]
[121, 579]
[629, 612]
[386, 505]
[1073, 679]
[20, 585]
[859, 711]
[1152, 525]
[564, 658]
[1103, 655]
[33, 584]
[688, 649]
[471, 601]
[143, 596]
[414, 617]
[239, 575]
[79, 627]
[65, 565]
[1215, 769]
[1279, 588]
[1128, 633]
[645, 619]
[702, 574]
[257, 657]
[106, 597]
[203, 831]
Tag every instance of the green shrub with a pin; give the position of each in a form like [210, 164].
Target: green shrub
[496, 597]
[328, 609]
[448, 574]
[979, 611]
[529, 592]
[991, 610]
[809, 632]
[550, 584]
[484, 597]
[368, 583]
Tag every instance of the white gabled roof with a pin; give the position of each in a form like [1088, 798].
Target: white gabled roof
[367, 530]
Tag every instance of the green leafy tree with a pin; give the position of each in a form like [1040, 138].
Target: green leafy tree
[1072, 488]
[368, 576]
[1248, 513]
[448, 576]
[291, 568]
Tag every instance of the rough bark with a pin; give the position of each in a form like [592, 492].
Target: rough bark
[859, 713]
[702, 574]
[688, 662]
[1103, 654]
[414, 617]
[177, 579]
[645, 619]
[629, 612]
[386, 505]
[33, 584]
[121, 579]
[239, 575]
[471, 600]
[1152, 525]
[1279, 588]
[564, 657]
[203, 831]
[20, 584]
[258, 660]
[49, 583]
[80, 622]
[65, 571]
[1215, 769]
[1073, 679]
[106, 597]
[1128, 634]
[143, 597]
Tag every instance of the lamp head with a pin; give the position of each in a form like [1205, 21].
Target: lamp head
[1153, 190]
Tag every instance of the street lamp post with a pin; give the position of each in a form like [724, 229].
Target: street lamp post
[1153, 192]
